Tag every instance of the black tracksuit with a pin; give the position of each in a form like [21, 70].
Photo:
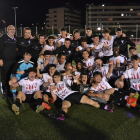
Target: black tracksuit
[35, 49]
[68, 52]
[8, 55]
[23, 45]
[123, 43]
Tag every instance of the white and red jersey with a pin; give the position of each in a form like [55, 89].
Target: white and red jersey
[96, 52]
[134, 76]
[29, 87]
[108, 43]
[104, 70]
[45, 78]
[121, 58]
[89, 62]
[62, 91]
[81, 48]
[62, 40]
[102, 86]
[68, 80]
[49, 48]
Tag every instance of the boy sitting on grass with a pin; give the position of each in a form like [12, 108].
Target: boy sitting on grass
[30, 91]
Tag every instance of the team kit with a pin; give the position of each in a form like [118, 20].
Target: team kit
[97, 70]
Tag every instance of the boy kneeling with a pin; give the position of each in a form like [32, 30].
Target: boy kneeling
[30, 91]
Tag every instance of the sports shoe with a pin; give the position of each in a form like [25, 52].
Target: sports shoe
[51, 100]
[39, 108]
[132, 100]
[60, 117]
[110, 107]
[15, 108]
[46, 106]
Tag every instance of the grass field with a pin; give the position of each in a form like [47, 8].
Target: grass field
[82, 122]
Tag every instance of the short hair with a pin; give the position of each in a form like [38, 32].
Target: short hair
[27, 28]
[95, 36]
[97, 73]
[52, 65]
[31, 70]
[63, 29]
[89, 28]
[79, 61]
[84, 51]
[47, 52]
[76, 31]
[83, 39]
[56, 74]
[67, 39]
[41, 35]
[50, 37]
[118, 29]
[10, 26]
[68, 62]
[106, 31]
[134, 57]
[96, 58]
[132, 48]
[28, 52]
[61, 54]
[114, 46]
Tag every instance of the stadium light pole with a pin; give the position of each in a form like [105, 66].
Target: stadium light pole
[15, 14]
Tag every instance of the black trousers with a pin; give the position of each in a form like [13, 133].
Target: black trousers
[6, 72]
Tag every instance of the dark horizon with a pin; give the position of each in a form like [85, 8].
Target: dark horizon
[32, 11]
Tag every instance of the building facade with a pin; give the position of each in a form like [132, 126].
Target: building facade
[125, 17]
[63, 17]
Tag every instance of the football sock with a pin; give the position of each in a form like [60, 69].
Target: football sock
[18, 102]
[39, 101]
[14, 91]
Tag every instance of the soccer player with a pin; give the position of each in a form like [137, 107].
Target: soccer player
[48, 59]
[122, 42]
[36, 48]
[89, 35]
[8, 46]
[20, 70]
[69, 98]
[50, 46]
[61, 39]
[48, 81]
[66, 48]
[61, 61]
[30, 91]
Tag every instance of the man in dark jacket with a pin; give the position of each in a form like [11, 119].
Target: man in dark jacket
[122, 42]
[8, 45]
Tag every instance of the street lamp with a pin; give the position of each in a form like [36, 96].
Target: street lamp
[15, 14]
[99, 28]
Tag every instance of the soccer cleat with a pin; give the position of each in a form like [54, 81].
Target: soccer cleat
[46, 106]
[39, 108]
[15, 108]
[60, 117]
[132, 100]
[110, 107]
[51, 100]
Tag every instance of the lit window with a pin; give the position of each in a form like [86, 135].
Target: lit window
[122, 14]
[131, 9]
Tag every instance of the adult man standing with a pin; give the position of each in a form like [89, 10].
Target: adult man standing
[24, 43]
[122, 42]
[8, 45]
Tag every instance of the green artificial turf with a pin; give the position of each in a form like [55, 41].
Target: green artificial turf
[82, 122]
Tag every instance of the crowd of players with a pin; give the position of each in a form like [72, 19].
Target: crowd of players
[67, 70]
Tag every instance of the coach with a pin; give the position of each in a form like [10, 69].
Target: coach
[122, 42]
[8, 45]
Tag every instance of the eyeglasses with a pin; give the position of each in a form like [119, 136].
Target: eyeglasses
[12, 29]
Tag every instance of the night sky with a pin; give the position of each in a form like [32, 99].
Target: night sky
[34, 11]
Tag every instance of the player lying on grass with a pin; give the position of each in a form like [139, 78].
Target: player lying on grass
[30, 91]
[20, 70]
[70, 97]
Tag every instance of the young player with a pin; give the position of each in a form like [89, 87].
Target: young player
[61, 39]
[89, 35]
[70, 98]
[48, 80]
[50, 46]
[30, 91]
[48, 59]
[20, 70]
